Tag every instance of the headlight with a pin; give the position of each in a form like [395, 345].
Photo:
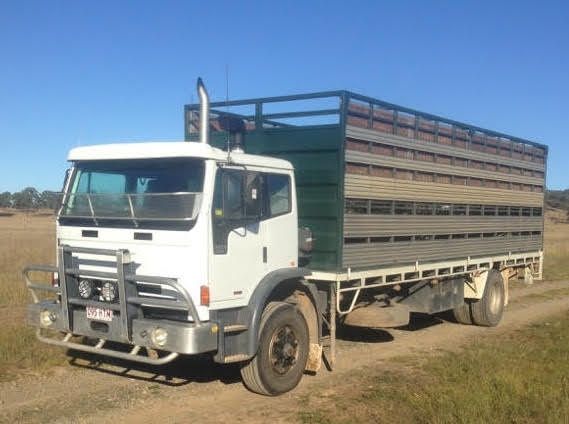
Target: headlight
[85, 289]
[46, 318]
[109, 291]
[159, 336]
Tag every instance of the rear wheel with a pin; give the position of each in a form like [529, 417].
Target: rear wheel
[488, 310]
[462, 313]
[282, 354]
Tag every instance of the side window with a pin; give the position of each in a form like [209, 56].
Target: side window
[238, 195]
[278, 189]
[237, 201]
[233, 195]
[253, 195]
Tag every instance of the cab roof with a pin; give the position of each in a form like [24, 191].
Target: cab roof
[170, 149]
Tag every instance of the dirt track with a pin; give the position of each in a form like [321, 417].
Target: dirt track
[195, 390]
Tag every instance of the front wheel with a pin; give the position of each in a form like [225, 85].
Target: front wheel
[282, 354]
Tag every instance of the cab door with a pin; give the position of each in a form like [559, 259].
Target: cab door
[238, 261]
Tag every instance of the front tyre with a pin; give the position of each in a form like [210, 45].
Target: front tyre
[282, 354]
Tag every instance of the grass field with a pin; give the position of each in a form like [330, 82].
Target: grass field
[28, 238]
[25, 239]
[481, 384]
[556, 256]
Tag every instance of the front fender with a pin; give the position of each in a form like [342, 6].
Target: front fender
[260, 297]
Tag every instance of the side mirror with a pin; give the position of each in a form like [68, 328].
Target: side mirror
[66, 177]
[305, 246]
[61, 197]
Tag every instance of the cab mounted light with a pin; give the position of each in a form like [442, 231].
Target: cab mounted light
[85, 288]
[204, 295]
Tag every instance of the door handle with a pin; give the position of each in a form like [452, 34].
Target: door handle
[264, 254]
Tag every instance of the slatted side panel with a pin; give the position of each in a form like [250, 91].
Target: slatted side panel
[358, 157]
[393, 225]
[382, 254]
[420, 162]
[373, 187]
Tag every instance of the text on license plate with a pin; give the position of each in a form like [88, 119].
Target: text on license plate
[99, 314]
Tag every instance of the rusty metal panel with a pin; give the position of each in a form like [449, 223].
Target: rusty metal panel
[383, 138]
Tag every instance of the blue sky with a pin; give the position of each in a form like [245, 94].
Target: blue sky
[86, 72]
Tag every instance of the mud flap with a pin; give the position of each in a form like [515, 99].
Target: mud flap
[379, 315]
[314, 362]
[435, 296]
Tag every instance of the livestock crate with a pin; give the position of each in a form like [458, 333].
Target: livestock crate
[380, 184]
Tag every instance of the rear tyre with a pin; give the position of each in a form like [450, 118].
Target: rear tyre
[462, 313]
[282, 354]
[488, 310]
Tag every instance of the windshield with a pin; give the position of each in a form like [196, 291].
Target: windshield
[135, 190]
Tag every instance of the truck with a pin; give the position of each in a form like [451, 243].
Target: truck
[278, 219]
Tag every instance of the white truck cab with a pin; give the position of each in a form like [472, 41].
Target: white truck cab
[186, 209]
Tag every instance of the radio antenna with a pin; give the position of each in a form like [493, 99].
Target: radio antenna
[228, 142]
[227, 85]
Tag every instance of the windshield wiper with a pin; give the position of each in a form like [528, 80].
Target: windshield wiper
[91, 209]
[132, 210]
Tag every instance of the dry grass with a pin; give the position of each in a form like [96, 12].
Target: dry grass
[25, 239]
[21, 353]
[556, 256]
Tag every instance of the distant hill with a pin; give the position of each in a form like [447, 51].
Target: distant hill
[558, 199]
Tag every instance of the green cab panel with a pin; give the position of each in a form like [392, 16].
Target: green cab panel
[317, 156]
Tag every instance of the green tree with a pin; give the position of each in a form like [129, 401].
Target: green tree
[49, 199]
[5, 199]
[28, 198]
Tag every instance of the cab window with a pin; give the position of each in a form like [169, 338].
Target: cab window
[278, 191]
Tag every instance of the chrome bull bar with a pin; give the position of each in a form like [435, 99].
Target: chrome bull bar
[98, 349]
[128, 306]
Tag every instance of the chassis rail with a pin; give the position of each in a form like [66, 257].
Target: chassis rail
[354, 282]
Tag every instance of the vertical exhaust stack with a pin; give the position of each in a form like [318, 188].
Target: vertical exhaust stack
[204, 112]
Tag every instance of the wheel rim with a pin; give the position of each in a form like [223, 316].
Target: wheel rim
[283, 351]
[495, 299]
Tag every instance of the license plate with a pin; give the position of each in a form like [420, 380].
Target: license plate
[99, 314]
